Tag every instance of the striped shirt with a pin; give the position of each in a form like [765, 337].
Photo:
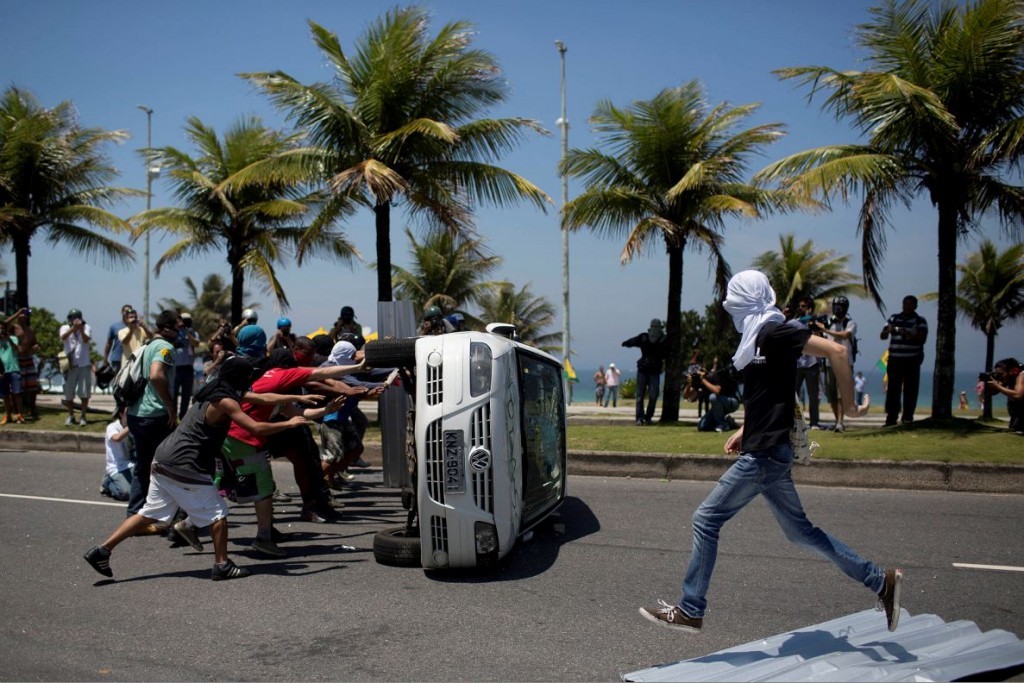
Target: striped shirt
[903, 329]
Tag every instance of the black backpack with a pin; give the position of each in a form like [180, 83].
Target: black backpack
[129, 383]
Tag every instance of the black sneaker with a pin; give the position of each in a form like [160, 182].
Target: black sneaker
[670, 616]
[228, 570]
[188, 533]
[99, 558]
[889, 597]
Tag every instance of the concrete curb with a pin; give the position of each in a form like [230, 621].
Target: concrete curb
[916, 475]
[877, 474]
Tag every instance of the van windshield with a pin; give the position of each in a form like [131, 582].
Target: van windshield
[543, 428]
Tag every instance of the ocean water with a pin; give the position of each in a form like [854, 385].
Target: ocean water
[966, 380]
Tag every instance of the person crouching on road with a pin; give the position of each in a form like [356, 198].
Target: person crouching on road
[767, 358]
[183, 471]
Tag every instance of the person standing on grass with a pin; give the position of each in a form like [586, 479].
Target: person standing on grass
[183, 470]
[599, 385]
[907, 333]
[10, 376]
[767, 357]
[76, 336]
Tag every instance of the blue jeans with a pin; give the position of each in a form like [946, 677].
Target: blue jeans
[184, 377]
[768, 475]
[611, 393]
[118, 485]
[647, 385]
[718, 407]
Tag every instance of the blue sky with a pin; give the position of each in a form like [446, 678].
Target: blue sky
[182, 59]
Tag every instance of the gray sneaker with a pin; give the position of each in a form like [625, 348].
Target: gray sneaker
[889, 597]
[188, 534]
[268, 548]
[670, 616]
[228, 570]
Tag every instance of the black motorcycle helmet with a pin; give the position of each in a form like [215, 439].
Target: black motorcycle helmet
[840, 306]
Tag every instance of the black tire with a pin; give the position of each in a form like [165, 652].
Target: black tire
[391, 353]
[397, 547]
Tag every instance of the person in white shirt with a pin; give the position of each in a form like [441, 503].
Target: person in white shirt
[117, 480]
[76, 335]
[611, 385]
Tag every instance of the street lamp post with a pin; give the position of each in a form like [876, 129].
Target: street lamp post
[563, 123]
[149, 197]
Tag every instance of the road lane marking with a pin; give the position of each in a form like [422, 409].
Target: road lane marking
[63, 500]
[992, 567]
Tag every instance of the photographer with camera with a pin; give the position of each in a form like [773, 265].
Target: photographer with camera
[76, 335]
[906, 332]
[133, 335]
[808, 367]
[843, 330]
[723, 398]
[1006, 378]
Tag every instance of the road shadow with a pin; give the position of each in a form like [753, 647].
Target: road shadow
[535, 554]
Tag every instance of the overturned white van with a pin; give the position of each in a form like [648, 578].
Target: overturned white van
[490, 451]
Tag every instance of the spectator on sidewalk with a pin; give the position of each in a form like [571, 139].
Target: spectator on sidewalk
[117, 478]
[653, 347]
[28, 345]
[113, 352]
[599, 385]
[76, 335]
[611, 386]
[184, 363]
[10, 377]
[134, 334]
[907, 333]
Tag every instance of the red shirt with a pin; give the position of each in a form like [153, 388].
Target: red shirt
[275, 381]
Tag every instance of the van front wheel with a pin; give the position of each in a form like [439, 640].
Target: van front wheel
[397, 547]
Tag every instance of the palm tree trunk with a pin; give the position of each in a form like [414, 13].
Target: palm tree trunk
[945, 328]
[237, 283]
[382, 214]
[22, 251]
[673, 330]
[990, 359]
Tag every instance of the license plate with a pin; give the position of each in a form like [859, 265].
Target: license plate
[454, 462]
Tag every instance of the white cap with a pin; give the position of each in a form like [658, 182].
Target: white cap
[611, 365]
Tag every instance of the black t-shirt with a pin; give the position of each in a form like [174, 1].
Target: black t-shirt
[768, 383]
[724, 378]
[194, 445]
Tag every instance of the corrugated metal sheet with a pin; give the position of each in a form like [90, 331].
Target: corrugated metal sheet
[855, 648]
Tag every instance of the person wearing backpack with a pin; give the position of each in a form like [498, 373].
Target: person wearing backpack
[843, 330]
[152, 416]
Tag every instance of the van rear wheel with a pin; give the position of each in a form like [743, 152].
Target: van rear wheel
[397, 547]
[391, 353]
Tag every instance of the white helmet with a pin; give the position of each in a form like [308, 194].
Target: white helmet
[250, 315]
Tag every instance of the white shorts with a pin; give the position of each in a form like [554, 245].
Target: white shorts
[201, 502]
[78, 380]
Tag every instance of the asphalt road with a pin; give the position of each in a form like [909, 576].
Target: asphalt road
[564, 607]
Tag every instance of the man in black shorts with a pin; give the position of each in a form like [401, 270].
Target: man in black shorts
[767, 357]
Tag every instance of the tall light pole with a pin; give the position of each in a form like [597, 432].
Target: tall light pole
[149, 198]
[563, 123]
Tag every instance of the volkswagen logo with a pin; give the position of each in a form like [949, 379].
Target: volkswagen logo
[480, 460]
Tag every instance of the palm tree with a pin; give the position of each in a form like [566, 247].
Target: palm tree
[256, 223]
[208, 306]
[942, 108]
[53, 181]
[397, 124]
[448, 271]
[671, 171]
[796, 272]
[530, 314]
[991, 293]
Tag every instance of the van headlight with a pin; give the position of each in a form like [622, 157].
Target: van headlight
[486, 538]
[479, 369]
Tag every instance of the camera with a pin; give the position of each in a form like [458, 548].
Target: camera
[985, 377]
